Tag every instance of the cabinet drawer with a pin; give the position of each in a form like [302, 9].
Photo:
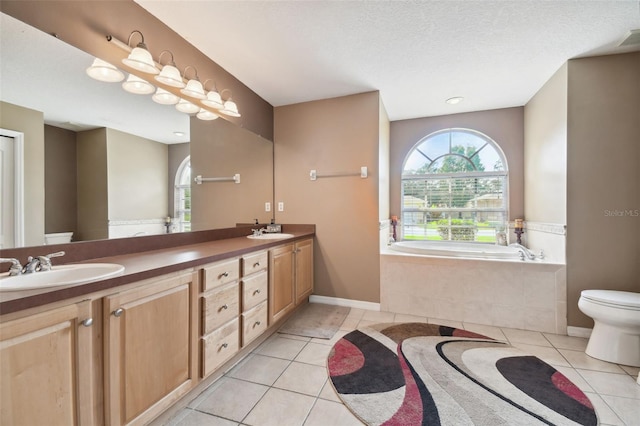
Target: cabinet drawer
[254, 322]
[254, 290]
[219, 306]
[219, 346]
[220, 273]
[253, 263]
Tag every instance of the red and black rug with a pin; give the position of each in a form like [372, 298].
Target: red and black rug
[427, 374]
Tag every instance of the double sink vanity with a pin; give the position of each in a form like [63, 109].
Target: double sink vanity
[128, 347]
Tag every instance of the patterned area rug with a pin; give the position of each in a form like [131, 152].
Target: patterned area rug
[427, 374]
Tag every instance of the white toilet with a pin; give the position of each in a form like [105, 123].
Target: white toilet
[616, 331]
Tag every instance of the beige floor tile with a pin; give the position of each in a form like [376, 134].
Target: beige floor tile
[326, 413]
[356, 313]
[525, 336]
[448, 323]
[606, 415]
[232, 398]
[264, 370]
[579, 359]
[294, 337]
[626, 408]
[329, 393]
[280, 408]
[612, 384]
[409, 318]
[281, 347]
[486, 330]
[365, 323]
[333, 340]
[350, 323]
[632, 371]
[196, 418]
[314, 353]
[378, 316]
[303, 378]
[567, 342]
[549, 355]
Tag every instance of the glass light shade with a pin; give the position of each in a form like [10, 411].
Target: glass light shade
[206, 115]
[141, 60]
[103, 71]
[230, 109]
[135, 84]
[214, 100]
[170, 76]
[165, 98]
[194, 89]
[187, 107]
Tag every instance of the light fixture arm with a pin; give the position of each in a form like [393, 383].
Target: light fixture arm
[141, 44]
[171, 62]
[184, 74]
[226, 90]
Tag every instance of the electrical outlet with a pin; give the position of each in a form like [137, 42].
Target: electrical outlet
[267, 207]
[281, 206]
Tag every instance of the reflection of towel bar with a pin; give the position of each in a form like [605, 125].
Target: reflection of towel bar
[313, 174]
[235, 178]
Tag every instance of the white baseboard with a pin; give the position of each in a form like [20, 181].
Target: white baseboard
[579, 332]
[358, 304]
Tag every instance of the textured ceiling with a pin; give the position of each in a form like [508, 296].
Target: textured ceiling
[417, 54]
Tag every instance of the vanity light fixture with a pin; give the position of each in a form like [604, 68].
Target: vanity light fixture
[135, 84]
[230, 108]
[454, 100]
[103, 71]
[187, 107]
[194, 87]
[140, 58]
[170, 75]
[165, 98]
[205, 114]
[214, 100]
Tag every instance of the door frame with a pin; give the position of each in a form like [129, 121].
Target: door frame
[18, 185]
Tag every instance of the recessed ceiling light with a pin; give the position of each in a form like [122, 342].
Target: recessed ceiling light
[178, 133]
[454, 100]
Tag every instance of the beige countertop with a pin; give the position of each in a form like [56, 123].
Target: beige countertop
[143, 265]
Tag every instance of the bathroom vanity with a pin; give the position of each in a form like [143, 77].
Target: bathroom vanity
[127, 350]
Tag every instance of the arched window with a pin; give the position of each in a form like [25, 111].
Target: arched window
[182, 196]
[454, 187]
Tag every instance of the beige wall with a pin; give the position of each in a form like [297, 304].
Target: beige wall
[333, 135]
[138, 175]
[61, 200]
[220, 149]
[603, 176]
[383, 164]
[504, 126]
[93, 199]
[31, 123]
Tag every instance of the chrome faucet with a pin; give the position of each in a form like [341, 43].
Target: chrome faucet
[257, 232]
[39, 263]
[524, 252]
[45, 261]
[16, 267]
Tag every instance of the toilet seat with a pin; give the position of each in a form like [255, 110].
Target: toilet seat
[613, 298]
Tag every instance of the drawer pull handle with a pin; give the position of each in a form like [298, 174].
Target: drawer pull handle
[255, 265]
[87, 322]
[118, 312]
[257, 323]
[256, 292]
[223, 307]
[223, 275]
[224, 346]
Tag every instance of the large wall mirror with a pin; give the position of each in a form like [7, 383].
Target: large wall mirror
[104, 163]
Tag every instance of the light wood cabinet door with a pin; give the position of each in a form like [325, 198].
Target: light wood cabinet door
[46, 362]
[281, 282]
[151, 336]
[304, 270]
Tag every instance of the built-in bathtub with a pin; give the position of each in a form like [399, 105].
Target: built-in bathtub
[473, 283]
[457, 249]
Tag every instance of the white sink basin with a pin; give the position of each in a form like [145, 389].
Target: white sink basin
[274, 236]
[59, 276]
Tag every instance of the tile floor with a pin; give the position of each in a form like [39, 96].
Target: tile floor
[284, 381]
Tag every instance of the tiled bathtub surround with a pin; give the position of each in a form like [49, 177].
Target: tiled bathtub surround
[518, 294]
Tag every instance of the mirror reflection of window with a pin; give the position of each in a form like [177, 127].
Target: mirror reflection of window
[182, 201]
